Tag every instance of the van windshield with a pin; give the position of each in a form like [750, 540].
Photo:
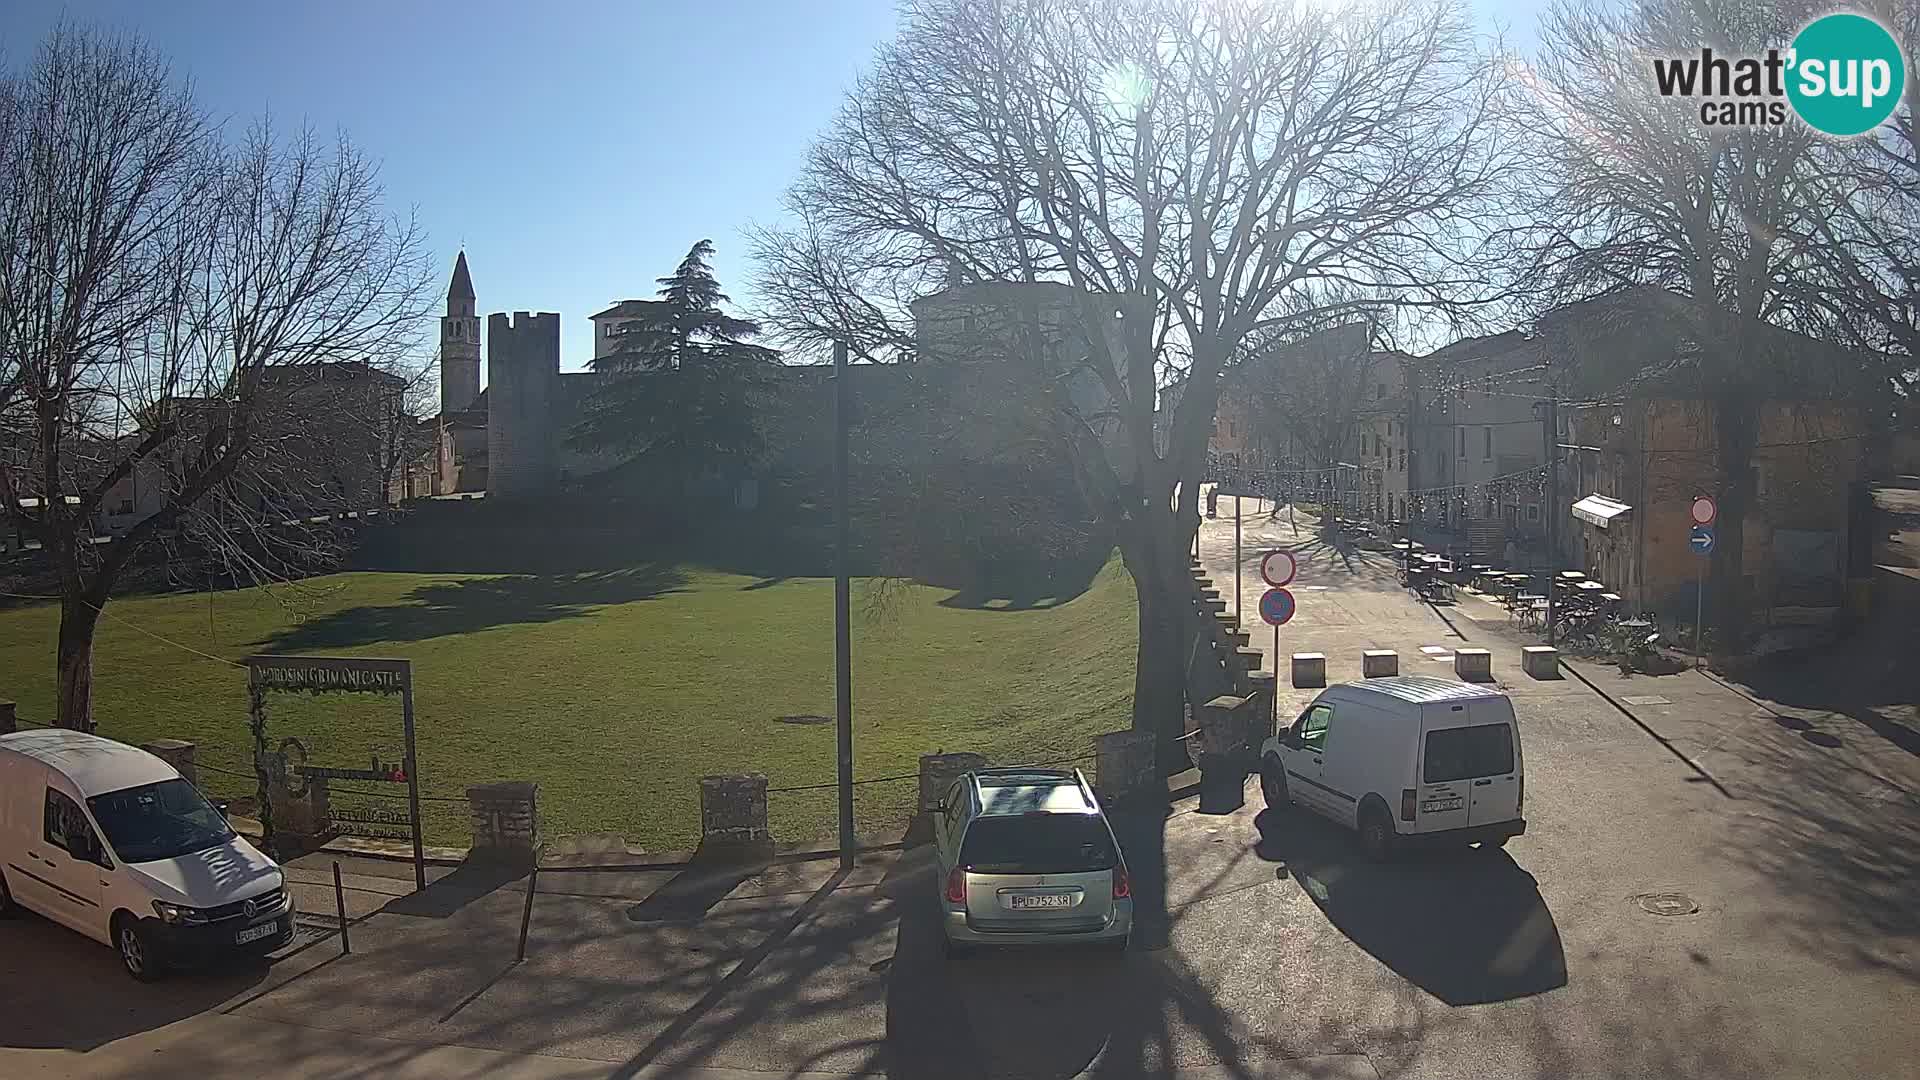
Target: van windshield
[1468, 752]
[1039, 843]
[159, 821]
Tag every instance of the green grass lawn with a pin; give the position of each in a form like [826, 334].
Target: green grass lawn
[614, 690]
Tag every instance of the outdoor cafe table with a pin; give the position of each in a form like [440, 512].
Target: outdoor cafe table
[1572, 575]
[1611, 597]
[1591, 585]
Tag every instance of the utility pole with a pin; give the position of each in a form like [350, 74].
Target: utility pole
[1236, 563]
[1550, 416]
[842, 604]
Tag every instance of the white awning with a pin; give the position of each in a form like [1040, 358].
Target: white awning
[1599, 510]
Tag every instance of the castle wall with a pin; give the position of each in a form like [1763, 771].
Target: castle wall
[523, 372]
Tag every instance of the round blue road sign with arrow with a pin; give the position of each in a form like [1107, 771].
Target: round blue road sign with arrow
[1276, 606]
[1701, 539]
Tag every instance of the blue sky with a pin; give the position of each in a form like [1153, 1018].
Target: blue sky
[559, 143]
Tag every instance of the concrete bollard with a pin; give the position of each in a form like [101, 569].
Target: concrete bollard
[505, 819]
[1473, 665]
[1379, 663]
[1540, 661]
[9, 721]
[1221, 745]
[733, 818]
[178, 753]
[1124, 765]
[1309, 669]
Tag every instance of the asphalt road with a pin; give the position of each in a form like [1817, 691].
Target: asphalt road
[1267, 947]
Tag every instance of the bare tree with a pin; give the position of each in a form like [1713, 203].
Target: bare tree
[1312, 392]
[1178, 170]
[182, 314]
[1725, 222]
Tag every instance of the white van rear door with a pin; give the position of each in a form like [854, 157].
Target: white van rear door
[1495, 795]
[1443, 787]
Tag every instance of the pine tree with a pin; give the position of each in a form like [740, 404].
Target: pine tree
[678, 391]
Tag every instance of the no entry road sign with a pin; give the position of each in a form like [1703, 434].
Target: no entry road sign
[1277, 568]
[1276, 606]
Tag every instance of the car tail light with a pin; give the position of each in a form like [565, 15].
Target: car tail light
[1122, 888]
[957, 886]
[1409, 802]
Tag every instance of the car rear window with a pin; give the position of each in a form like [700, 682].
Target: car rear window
[1468, 752]
[1038, 844]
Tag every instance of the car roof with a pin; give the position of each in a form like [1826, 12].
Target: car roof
[1425, 689]
[94, 765]
[1014, 790]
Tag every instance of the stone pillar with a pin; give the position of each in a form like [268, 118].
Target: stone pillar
[8, 721]
[937, 771]
[1224, 724]
[506, 822]
[1265, 684]
[733, 817]
[1125, 765]
[178, 753]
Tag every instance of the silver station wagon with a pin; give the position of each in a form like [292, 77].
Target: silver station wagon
[1026, 857]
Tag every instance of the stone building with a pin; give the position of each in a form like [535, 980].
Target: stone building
[510, 438]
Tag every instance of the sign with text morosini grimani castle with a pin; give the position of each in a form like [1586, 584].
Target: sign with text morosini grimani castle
[321, 673]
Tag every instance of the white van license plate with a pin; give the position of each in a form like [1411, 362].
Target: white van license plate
[256, 933]
[1438, 805]
[1051, 900]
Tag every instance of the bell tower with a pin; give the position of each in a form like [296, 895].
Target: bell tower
[459, 343]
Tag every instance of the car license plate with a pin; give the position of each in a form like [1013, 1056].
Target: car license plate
[255, 933]
[1046, 900]
[1438, 805]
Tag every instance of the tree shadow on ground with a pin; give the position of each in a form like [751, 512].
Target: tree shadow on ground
[1841, 834]
[1026, 587]
[1466, 925]
[444, 609]
[93, 1002]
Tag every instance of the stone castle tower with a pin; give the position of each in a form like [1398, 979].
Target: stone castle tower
[523, 376]
[459, 343]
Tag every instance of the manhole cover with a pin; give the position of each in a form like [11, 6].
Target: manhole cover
[1648, 699]
[1666, 903]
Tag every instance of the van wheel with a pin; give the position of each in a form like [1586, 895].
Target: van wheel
[1376, 834]
[1273, 784]
[137, 954]
[7, 906]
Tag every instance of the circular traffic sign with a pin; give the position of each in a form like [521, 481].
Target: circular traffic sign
[1704, 510]
[1276, 606]
[1278, 567]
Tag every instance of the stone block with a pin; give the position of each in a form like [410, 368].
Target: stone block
[1540, 661]
[1473, 665]
[1224, 725]
[1265, 683]
[9, 722]
[733, 816]
[938, 771]
[176, 752]
[1214, 606]
[506, 821]
[1379, 663]
[1309, 669]
[1124, 764]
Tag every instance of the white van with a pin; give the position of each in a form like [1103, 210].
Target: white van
[1404, 759]
[111, 841]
